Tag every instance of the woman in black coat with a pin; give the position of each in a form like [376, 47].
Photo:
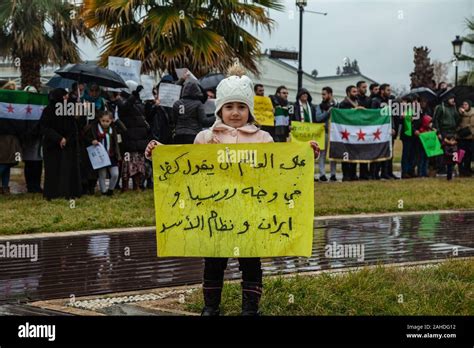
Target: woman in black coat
[135, 140]
[60, 150]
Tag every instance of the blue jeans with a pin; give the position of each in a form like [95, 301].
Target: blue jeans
[5, 174]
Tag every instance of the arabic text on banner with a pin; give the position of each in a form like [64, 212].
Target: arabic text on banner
[239, 200]
[306, 131]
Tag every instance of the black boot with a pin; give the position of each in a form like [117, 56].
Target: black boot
[251, 293]
[212, 291]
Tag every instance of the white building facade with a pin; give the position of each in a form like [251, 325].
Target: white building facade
[275, 72]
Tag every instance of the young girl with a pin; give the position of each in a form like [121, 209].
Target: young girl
[450, 148]
[234, 124]
[103, 131]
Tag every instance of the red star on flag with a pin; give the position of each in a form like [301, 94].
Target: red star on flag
[28, 109]
[345, 134]
[361, 135]
[10, 108]
[377, 134]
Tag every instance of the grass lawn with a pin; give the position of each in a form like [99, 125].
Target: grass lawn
[28, 213]
[444, 290]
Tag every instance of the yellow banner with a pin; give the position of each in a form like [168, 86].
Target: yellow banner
[234, 200]
[305, 131]
[263, 111]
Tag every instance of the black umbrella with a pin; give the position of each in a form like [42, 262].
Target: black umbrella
[89, 73]
[461, 93]
[59, 82]
[425, 93]
[210, 81]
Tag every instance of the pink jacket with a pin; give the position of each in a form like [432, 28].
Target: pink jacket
[221, 133]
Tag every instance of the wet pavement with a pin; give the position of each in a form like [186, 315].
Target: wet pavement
[102, 263]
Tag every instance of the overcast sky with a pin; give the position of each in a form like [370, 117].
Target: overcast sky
[380, 34]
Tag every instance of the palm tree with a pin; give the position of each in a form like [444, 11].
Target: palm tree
[39, 32]
[468, 78]
[202, 35]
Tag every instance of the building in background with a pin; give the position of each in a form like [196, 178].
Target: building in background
[276, 72]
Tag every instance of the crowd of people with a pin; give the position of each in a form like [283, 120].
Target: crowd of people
[124, 124]
[454, 126]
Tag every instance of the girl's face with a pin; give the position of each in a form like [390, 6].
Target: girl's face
[235, 114]
[105, 122]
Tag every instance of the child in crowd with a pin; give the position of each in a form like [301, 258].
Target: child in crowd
[424, 161]
[235, 123]
[450, 148]
[102, 131]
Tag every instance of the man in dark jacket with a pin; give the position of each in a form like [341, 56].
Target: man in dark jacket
[364, 101]
[349, 170]
[189, 114]
[303, 108]
[374, 89]
[283, 110]
[326, 105]
[379, 102]
[362, 98]
[446, 117]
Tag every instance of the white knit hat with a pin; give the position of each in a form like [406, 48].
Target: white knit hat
[235, 89]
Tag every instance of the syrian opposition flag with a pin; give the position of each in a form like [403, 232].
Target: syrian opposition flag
[360, 135]
[20, 111]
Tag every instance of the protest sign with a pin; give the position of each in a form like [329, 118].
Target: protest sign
[431, 144]
[168, 94]
[234, 200]
[98, 156]
[306, 131]
[128, 69]
[263, 111]
[180, 73]
[148, 83]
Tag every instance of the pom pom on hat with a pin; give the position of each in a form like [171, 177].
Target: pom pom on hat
[235, 89]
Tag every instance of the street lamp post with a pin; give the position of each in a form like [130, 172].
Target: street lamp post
[457, 46]
[301, 4]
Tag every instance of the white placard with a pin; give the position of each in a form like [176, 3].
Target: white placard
[168, 94]
[128, 69]
[148, 82]
[180, 73]
[98, 156]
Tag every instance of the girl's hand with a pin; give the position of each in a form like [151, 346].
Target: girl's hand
[95, 142]
[417, 133]
[149, 148]
[316, 149]
[62, 143]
